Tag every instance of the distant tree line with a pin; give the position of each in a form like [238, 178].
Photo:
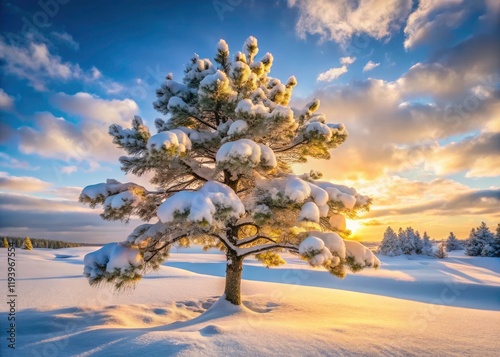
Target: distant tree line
[481, 242]
[30, 243]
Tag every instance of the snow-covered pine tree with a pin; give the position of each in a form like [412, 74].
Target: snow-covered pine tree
[5, 242]
[417, 243]
[426, 245]
[221, 163]
[441, 251]
[452, 243]
[27, 244]
[407, 241]
[479, 238]
[496, 243]
[390, 244]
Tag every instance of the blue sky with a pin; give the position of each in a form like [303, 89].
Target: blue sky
[424, 117]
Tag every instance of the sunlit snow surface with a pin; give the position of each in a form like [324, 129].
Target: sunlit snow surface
[411, 306]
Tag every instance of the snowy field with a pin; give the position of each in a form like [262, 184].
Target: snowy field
[411, 306]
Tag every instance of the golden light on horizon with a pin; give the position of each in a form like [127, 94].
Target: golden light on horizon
[352, 225]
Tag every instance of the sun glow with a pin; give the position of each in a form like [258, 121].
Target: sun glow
[352, 225]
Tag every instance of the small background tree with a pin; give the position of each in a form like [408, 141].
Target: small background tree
[390, 244]
[221, 166]
[441, 251]
[27, 244]
[452, 243]
[427, 245]
[5, 242]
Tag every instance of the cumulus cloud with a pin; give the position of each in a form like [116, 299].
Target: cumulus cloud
[85, 140]
[22, 183]
[347, 60]
[55, 137]
[478, 156]
[395, 124]
[6, 101]
[334, 73]
[339, 20]
[92, 108]
[432, 18]
[370, 65]
[34, 62]
[66, 39]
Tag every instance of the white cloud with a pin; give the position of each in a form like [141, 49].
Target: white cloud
[35, 63]
[347, 60]
[6, 101]
[332, 74]
[336, 72]
[339, 20]
[93, 108]
[22, 183]
[67, 39]
[434, 21]
[58, 138]
[85, 141]
[478, 156]
[68, 170]
[370, 65]
[394, 125]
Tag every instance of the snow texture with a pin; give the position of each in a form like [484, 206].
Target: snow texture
[116, 257]
[60, 314]
[309, 212]
[113, 193]
[361, 254]
[203, 205]
[164, 140]
[247, 152]
[238, 127]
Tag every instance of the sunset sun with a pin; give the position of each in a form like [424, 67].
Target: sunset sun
[352, 225]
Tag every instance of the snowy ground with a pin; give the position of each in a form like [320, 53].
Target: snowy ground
[409, 307]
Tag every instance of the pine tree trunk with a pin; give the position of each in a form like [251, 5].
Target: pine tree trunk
[233, 279]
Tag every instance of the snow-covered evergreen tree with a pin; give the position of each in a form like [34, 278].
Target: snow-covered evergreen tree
[452, 243]
[417, 243]
[441, 251]
[495, 246]
[426, 245]
[5, 242]
[221, 162]
[479, 239]
[27, 244]
[407, 240]
[390, 244]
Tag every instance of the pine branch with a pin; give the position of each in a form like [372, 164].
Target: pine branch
[287, 148]
[262, 248]
[203, 122]
[254, 238]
